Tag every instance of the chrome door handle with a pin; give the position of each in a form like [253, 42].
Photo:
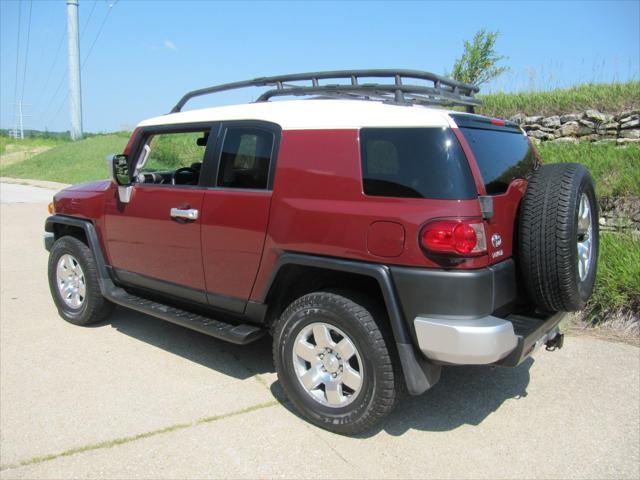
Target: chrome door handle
[190, 214]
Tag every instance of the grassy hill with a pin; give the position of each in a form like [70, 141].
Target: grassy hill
[69, 162]
[606, 97]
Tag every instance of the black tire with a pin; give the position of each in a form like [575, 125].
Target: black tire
[548, 236]
[380, 380]
[94, 307]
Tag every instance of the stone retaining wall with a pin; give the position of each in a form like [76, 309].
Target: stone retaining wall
[620, 214]
[591, 125]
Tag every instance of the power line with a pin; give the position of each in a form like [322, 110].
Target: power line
[93, 7]
[104, 20]
[53, 64]
[55, 94]
[26, 54]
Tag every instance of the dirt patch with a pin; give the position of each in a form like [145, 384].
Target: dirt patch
[14, 155]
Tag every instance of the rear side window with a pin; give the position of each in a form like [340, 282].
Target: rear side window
[414, 163]
[245, 158]
[501, 156]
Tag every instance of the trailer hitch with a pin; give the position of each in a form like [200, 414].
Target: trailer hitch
[554, 343]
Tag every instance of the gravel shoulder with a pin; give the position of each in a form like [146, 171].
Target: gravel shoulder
[136, 397]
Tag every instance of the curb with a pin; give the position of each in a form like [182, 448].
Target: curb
[35, 183]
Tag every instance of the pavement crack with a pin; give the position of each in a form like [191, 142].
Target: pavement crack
[132, 438]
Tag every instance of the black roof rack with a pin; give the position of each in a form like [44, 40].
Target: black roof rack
[439, 90]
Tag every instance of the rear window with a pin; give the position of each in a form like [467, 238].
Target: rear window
[414, 163]
[501, 156]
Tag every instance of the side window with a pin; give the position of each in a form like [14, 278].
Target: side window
[245, 158]
[414, 163]
[170, 151]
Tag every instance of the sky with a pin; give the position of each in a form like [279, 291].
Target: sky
[149, 53]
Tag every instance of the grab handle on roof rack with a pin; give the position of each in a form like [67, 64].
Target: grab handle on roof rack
[445, 91]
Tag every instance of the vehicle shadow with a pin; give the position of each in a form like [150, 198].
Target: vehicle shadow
[465, 395]
[237, 361]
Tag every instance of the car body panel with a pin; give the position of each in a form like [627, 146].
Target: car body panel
[141, 236]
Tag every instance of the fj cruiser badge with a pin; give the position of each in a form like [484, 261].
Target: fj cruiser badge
[496, 240]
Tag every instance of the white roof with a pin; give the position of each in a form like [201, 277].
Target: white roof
[316, 114]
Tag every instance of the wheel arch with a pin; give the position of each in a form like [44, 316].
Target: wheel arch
[420, 375]
[85, 231]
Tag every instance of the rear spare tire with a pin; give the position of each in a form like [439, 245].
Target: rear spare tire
[558, 237]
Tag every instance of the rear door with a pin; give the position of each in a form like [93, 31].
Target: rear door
[505, 158]
[148, 245]
[236, 211]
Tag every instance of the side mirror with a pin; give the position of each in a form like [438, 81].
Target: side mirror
[119, 170]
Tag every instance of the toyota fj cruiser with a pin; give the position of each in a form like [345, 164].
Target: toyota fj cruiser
[375, 238]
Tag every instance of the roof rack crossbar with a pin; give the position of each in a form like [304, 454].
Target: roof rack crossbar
[445, 91]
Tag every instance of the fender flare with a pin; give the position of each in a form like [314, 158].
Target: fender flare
[419, 373]
[94, 244]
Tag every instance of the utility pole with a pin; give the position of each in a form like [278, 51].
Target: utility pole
[18, 130]
[21, 124]
[75, 94]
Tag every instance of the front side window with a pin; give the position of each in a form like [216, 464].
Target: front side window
[172, 158]
[414, 163]
[245, 158]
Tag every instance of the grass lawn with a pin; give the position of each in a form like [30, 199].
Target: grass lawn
[617, 286]
[606, 97]
[615, 169]
[9, 144]
[70, 162]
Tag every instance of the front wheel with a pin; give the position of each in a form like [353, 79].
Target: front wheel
[334, 363]
[73, 281]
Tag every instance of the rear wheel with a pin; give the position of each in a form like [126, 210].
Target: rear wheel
[334, 363]
[73, 281]
[559, 237]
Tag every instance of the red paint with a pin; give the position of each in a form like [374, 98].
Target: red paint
[318, 206]
[142, 237]
[385, 239]
[132, 138]
[234, 225]
[503, 222]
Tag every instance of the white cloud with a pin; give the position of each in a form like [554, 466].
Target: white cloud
[168, 44]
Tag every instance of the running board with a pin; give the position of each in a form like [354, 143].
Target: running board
[238, 334]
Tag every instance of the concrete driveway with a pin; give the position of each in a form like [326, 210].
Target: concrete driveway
[136, 397]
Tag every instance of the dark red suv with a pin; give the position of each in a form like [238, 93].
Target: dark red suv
[375, 238]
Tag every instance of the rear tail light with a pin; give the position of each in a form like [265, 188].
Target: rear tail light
[456, 237]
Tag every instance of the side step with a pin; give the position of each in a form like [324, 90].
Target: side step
[238, 334]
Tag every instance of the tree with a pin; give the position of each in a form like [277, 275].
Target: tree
[478, 63]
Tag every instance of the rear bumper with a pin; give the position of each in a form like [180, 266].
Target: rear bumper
[486, 340]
